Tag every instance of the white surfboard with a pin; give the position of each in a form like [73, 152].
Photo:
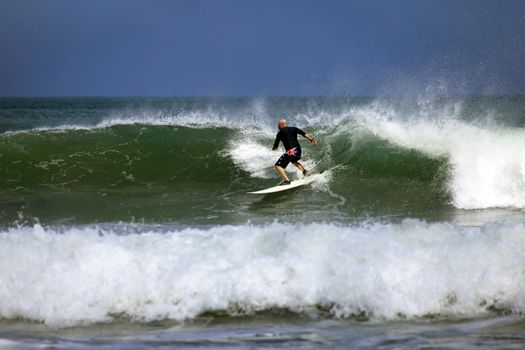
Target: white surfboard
[293, 184]
[296, 183]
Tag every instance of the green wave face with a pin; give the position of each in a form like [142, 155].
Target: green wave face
[187, 174]
[111, 157]
[115, 173]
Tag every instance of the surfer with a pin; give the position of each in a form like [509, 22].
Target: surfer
[288, 136]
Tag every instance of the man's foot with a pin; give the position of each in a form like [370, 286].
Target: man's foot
[285, 182]
[305, 172]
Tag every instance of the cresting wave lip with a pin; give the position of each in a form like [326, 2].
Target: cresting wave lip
[487, 162]
[80, 275]
[191, 120]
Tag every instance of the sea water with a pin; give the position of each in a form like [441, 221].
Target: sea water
[126, 223]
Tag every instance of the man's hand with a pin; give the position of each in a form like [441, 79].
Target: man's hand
[314, 142]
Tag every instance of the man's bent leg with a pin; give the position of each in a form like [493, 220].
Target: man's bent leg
[281, 172]
[299, 166]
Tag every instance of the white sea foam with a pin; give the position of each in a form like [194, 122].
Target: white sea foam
[253, 157]
[487, 162]
[411, 269]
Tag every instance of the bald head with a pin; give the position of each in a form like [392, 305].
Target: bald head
[282, 123]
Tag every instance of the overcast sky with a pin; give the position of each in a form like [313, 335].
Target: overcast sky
[260, 47]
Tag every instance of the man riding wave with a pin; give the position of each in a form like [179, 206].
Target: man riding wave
[288, 136]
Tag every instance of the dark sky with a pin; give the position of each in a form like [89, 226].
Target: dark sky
[261, 47]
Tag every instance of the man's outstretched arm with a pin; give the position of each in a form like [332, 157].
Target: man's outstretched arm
[310, 138]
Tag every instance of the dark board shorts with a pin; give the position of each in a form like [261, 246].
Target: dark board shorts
[285, 159]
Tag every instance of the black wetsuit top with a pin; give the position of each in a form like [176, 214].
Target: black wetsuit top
[288, 135]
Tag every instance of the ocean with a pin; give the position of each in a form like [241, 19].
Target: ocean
[125, 223]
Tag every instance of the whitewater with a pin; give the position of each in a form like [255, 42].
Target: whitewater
[65, 277]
